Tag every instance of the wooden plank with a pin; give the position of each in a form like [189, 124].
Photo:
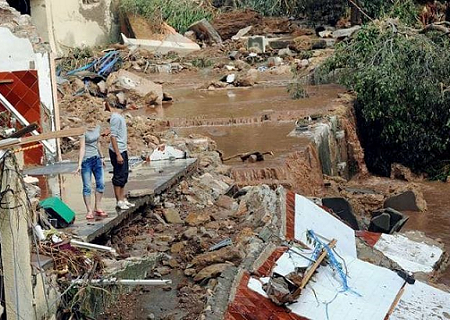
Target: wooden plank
[313, 268]
[23, 121]
[319, 260]
[46, 136]
[56, 113]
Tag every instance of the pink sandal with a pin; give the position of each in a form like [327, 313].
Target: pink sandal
[101, 213]
[90, 216]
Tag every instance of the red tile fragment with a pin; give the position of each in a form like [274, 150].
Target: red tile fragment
[259, 308]
[290, 215]
[371, 238]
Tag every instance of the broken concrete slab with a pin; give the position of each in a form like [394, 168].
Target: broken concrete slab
[422, 301]
[182, 48]
[205, 31]
[406, 201]
[381, 223]
[411, 255]
[156, 177]
[280, 43]
[343, 210]
[345, 33]
[394, 223]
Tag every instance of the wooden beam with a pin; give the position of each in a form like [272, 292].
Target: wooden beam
[46, 136]
[23, 121]
[56, 113]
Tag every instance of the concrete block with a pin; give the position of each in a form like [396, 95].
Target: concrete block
[258, 43]
[343, 210]
[406, 201]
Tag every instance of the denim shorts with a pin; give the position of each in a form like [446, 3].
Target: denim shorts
[93, 166]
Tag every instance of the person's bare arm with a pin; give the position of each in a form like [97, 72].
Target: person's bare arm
[81, 153]
[116, 149]
[100, 152]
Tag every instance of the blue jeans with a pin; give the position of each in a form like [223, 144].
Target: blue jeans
[91, 166]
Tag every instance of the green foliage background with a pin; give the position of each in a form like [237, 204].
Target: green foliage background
[402, 106]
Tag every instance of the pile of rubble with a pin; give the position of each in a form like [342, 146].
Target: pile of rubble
[21, 26]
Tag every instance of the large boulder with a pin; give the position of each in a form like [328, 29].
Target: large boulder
[137, 90]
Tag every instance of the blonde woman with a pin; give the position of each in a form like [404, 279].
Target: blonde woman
[91, 162]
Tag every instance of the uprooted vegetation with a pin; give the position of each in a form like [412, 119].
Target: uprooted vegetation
[400, 76]
[178, 14]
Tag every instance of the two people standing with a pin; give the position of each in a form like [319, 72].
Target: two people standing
[91, 163]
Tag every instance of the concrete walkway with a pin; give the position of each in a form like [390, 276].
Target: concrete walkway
[146, 181]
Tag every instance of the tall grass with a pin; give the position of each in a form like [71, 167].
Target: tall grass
[180, 14]
[270, 7]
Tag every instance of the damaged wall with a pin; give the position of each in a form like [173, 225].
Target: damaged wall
[21, 49]
[74, 23]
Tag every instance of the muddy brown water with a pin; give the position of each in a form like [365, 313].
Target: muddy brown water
[242, 102]
[436, 221]
[232, 140]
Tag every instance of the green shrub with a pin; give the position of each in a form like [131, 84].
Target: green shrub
[402, 105]
[406, 10]
[180, 14]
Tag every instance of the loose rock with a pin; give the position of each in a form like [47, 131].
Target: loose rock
[211, 271]
[172, 216]
[197, 218]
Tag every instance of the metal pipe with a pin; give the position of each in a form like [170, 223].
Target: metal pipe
[91, 246]
[126, 282]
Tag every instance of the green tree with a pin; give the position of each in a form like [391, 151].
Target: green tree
[400, 77]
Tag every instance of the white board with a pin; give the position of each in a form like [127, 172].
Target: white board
[376, 290]
[309, 216]
[293, 258]
[377, 286]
